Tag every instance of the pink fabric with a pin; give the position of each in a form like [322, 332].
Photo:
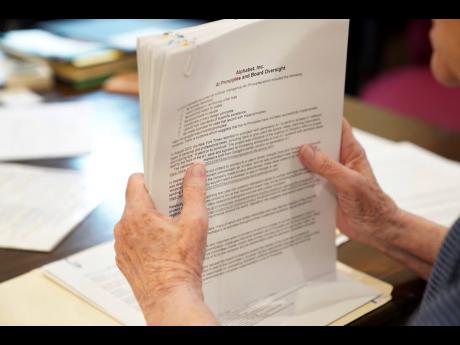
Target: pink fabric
[413, 91]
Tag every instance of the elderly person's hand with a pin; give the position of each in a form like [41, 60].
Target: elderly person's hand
[367, 214]
[162, 257]
[364, 210]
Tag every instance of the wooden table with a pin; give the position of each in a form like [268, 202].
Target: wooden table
[118, 152]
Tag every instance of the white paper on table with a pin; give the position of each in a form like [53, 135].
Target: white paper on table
[341, 239]
[46, 44]
[93, 275]
[373, 144]
[18, 96]
[40, 206]
[419, 181]
[45, 130]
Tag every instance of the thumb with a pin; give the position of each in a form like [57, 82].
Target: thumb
[194, 191]
[323, 165]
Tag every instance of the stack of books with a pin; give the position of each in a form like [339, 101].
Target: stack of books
[82, 74]
[81, 64]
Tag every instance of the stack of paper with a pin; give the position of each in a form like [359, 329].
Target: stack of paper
[246, 115]
[40, 206]
[44, 131]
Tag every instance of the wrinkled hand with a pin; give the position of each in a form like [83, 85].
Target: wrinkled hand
[364, 211]
[161, 256]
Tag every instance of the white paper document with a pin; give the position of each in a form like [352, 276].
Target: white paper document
[419, 181]
[93, 275]
[341, 239]
[44, 130]
[18, 96]
[40, 206]
[373, 144]
[244, 95]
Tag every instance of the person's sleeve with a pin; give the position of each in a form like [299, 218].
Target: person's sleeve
[441, 301]
[444, 310]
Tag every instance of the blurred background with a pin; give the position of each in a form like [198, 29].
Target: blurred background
[388, 60]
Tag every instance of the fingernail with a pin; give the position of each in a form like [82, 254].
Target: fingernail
[198, 169]
[199, 161]
[307, 152]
